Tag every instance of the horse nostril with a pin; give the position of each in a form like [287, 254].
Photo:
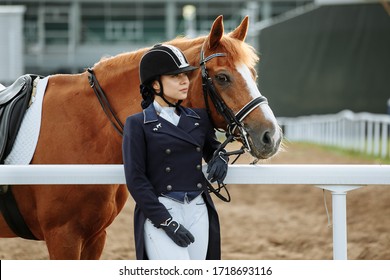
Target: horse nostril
[267, 140]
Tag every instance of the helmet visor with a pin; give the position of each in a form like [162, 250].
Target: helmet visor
[188, 68]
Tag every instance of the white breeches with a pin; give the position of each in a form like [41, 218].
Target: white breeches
[194, 217]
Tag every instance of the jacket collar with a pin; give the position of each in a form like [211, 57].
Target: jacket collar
[150, 114]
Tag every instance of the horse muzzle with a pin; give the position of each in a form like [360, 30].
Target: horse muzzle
[264, 137]
[264, 144]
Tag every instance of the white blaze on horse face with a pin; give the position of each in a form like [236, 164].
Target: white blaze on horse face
[246, 74]
[275, 133]
[254, 91]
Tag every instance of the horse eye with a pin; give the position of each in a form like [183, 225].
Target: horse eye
[222, 79]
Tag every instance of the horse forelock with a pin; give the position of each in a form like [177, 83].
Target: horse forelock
[239, 51]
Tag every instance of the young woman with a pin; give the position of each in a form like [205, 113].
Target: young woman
[163, 148]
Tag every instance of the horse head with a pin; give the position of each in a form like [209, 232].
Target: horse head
[229, 63]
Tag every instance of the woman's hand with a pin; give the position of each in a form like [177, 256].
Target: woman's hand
[178, 233]
[217, 168]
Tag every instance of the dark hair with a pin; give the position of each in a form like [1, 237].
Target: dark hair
[147, 93]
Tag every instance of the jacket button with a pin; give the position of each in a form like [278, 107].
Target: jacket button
[199, 167]
[168, 151]
[168, 169]
[198, 149]
[199, 185]
[169, 187]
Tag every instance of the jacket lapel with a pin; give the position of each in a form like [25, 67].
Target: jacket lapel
[189, 121]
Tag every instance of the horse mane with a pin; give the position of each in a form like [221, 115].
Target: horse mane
[119, 59]
[239, 51]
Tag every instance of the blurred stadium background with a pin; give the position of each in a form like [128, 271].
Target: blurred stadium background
[317, 57]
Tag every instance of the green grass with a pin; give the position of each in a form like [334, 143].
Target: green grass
[349, 153]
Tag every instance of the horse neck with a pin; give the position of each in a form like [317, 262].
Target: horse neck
[119, 78]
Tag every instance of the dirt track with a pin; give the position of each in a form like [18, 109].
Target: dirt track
[269, 222]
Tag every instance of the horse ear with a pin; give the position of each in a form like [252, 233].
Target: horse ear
[216, 33]
[241, 31]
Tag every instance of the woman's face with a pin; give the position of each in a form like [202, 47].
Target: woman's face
[175, 86]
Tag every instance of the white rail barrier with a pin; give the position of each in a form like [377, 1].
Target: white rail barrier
[339, 179]
[364, 132]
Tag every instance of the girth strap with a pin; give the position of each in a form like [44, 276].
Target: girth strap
[12, 215]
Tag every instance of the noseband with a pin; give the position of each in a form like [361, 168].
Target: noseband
[234, 121]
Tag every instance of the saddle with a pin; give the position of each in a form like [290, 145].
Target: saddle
[14, 101]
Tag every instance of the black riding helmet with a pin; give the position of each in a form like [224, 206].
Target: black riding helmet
[160, 60]
[163, 60]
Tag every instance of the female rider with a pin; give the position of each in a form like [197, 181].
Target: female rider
[163, 147]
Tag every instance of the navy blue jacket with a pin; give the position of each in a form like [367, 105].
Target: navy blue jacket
[160, 157]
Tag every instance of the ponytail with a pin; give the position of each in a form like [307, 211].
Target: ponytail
[147, 94]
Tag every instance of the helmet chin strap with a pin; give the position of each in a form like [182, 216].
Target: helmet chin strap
[161, 94]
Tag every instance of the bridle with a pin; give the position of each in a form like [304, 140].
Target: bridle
[234, 121]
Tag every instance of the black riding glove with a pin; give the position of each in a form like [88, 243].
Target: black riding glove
[217, 167]
[178, 233]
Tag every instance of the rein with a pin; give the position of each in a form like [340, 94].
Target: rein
[101, 96]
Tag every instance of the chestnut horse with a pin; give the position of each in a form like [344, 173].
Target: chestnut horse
[72, 220]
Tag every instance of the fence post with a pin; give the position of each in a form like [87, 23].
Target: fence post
[339, 215]
[385, 137]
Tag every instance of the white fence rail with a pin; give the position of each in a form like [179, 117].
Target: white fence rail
[364, 132]
[339, 179]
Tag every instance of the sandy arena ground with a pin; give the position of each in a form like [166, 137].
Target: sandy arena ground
[279, 222]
